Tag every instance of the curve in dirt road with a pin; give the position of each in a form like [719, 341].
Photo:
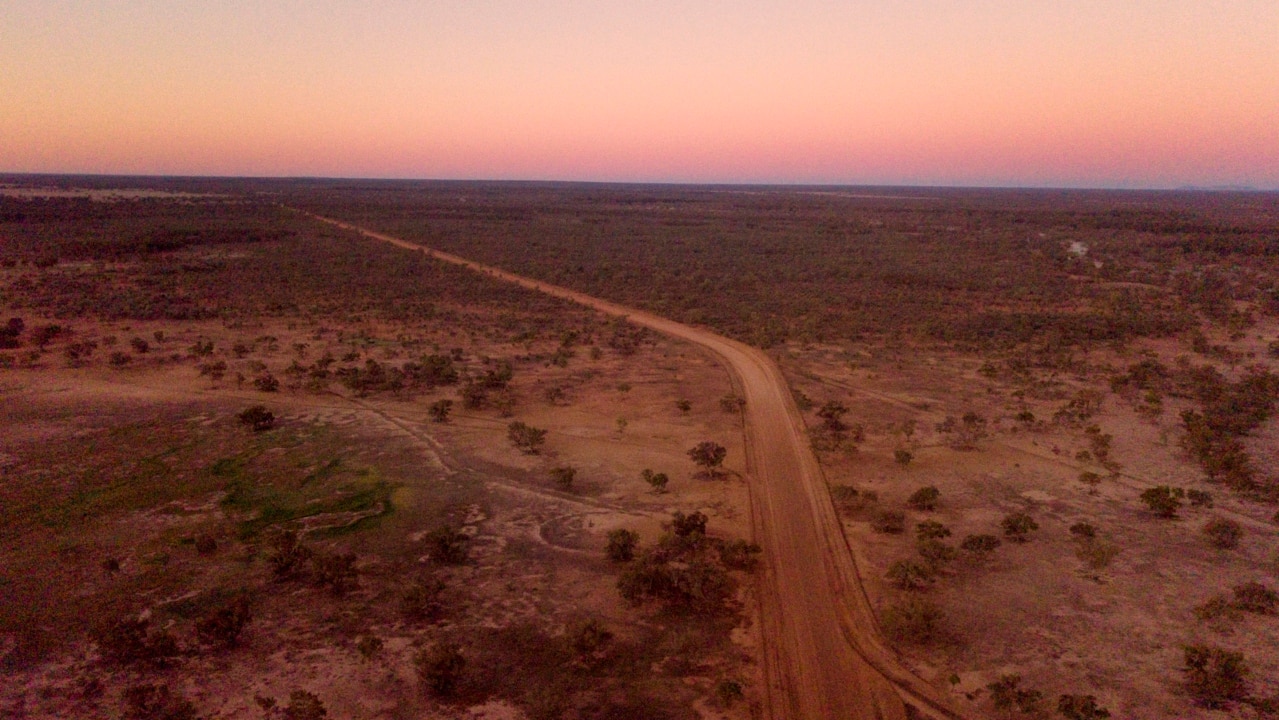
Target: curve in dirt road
[824, 657]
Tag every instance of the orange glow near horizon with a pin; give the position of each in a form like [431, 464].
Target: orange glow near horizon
[1153, 94]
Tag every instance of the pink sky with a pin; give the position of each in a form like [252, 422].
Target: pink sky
[1029, 92]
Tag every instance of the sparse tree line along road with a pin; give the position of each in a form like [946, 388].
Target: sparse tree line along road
[824, 657]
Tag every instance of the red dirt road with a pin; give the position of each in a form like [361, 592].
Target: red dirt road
[824, 657]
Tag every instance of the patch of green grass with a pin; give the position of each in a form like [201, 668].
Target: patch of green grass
[330, 489]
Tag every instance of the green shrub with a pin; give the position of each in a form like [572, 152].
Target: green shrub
[914, 620]
[931, 530]
[1215, 676]
[439, 668]
[1018, 526]
[1222, 533]
[909, 575]
[979, 546]
[924, 499]
[257, 417]
[889, 522]
[304, 705]
[1163, 501]
[1005, 693]
[527, 438]
[935, 553]
[1256, 597]
[621, 545]
[1081, 707]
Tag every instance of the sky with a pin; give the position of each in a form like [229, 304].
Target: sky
[1083, 93]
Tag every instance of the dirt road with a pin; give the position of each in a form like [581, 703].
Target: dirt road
[824, 657]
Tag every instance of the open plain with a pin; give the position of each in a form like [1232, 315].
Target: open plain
[985, 453]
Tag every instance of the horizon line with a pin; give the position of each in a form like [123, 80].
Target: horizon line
[782, 184]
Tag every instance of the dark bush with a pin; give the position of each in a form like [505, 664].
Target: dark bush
[1018, 526]
[156, 702]
[1215, 676]
[889, 522]
[924, 498]
[527, 438]
[440, 668]
[1163, 501]
[914, 620]
[621, 545]
[423, 600]
[335, 571]
[979, 546]
[447, 545]
[304, 705]
[257, 417]
[1081, 707]
[1223, 534]
[221, 627]
[1256, 597]
[909, 575]
[128, 641]
[289, 556]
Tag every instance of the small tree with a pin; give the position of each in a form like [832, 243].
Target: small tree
[440, 410]
[440, 668]
[1005, 693]
[924, 498]
[1081, 707]
[979, 546]
[832, 414]
[1083, 531]
[915, 620]
[1163, 501]
[656, 480]
[1215, 676]
[902, 456]
[1256, 597]
[709, 455]
[526, 437]
[688, 525]
[257, 417]
[909, 575]
[563, 477]
[931, 530]
[1017, 526]
[935, 553]
[621, 545]
[1222, 533]
[889, 522]
[304, 705]
[266, 382]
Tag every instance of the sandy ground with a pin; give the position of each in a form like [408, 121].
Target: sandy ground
[824, 655]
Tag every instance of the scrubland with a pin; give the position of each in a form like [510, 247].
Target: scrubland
[1046, 419]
